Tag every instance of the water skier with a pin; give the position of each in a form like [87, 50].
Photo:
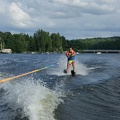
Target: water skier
[71, 60]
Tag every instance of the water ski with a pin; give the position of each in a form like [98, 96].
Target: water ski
[64, 71]
[72, 73]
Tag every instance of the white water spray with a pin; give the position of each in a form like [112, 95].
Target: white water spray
[36, 100]
[58, 70]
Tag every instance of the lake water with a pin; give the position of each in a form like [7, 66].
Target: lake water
[93, 94]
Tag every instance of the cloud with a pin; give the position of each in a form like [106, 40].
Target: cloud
[71, 18]
[90, 7]
[18, 16]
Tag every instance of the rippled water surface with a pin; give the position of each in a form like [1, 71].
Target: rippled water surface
[93, 94]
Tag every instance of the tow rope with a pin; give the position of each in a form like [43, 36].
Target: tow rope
[27, 73]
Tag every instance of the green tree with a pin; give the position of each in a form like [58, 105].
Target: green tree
[43, 41]
[56, 42]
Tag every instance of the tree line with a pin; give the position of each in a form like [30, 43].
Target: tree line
[43, 41]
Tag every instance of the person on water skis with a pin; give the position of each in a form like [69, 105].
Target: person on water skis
[71, 60]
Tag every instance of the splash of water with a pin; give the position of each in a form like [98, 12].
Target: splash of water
[80, 68]
[35, 99]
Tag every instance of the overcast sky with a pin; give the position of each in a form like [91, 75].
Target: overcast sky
[73, 19]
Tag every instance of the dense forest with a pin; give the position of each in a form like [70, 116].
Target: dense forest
[43, 41]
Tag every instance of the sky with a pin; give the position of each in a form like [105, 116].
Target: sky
[73, 19]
